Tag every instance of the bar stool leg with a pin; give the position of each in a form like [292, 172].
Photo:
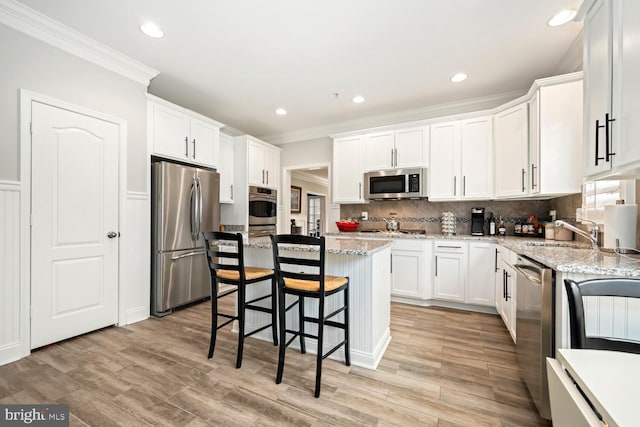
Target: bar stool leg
[320, 350]
[240, 309]
[274, 311]
[347, 352]
[303, 349]
[283, 335]
[214, 320]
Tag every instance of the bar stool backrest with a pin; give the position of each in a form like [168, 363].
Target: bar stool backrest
[288, 263]
[627, 288]
[225, 252]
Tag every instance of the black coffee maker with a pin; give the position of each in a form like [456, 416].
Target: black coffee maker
[477, 221]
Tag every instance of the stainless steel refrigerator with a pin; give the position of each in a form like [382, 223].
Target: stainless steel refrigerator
[185, 201]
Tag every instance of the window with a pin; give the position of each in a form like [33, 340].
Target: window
[597, 194]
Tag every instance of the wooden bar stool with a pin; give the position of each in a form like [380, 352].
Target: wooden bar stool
[225, 255]
[307, 285]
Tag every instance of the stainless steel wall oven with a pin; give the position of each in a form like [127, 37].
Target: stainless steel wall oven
[263, 207]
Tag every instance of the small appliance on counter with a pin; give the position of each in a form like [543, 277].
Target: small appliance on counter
[448, 223]
[477, 221]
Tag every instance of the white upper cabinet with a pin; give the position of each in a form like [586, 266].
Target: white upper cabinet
[511, 145]
[180, 134]
[226, 169]
[556, 138]
[612, 107]
[263, 163]
[403, 148]
[348, 169]
[461, 160]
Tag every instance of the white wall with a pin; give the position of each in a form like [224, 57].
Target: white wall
[303, 153]
[30, 64]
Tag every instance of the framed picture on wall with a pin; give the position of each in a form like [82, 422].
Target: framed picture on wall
[296, 199]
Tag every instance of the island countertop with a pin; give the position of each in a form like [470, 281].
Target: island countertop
[336, 245]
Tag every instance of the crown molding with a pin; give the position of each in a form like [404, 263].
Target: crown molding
[412, 117]
[307, 177]
[24, 19]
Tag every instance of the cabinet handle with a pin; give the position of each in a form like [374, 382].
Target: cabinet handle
[464, 185]
[186, 147]
[359, 190]
[506, 292]
[496, 261]
[391, 258]
[396, 160]
[392, 157]
[436, 265]
[504, 284]
[598, 127]
[607, 138]
[267, 177]
[263, 176]
[450, 247]
[533, 174]
[523, 187]
[194, 148]
[454, 185]
[231, 191]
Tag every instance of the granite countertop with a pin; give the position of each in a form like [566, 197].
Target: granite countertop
[563, 256]
[338, 245]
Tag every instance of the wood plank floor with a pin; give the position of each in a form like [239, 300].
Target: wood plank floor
[442, 368]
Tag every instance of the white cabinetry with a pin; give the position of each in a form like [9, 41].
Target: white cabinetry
[401, 148]
[225, 168]
[180, 134]
[461, 160]
[410, 268]
[348, 170]
[612, 107]
[450, 270]
[511, 139]
[506, 291]
[482, 272]
[555, 136]
[264, 162]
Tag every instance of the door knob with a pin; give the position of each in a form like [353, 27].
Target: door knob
[112, 234]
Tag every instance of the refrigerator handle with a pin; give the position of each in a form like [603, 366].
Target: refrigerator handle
[199, 208]
[193, 198]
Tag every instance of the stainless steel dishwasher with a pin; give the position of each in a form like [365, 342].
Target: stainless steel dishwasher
[535, 320]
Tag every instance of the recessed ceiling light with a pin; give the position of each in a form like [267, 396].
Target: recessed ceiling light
[357, 99]
[458, 77]
[152, 30]
[562, 17]
[281, 112]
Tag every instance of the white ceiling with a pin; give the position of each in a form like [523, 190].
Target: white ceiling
[238, 60]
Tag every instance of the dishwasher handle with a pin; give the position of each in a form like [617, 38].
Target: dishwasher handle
[530, 272]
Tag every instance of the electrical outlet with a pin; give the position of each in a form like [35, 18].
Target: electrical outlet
[364, 215]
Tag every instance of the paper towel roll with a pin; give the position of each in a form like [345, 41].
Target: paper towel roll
[620, 222]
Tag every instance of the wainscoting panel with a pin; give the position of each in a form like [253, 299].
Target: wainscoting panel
[10, 345]
[136, 262]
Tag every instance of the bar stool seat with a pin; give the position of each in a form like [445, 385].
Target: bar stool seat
[309, 283]
[225, 255]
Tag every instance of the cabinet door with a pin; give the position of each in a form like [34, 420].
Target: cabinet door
[256, 172]
[597, 84]
[499, 282]
[511, 151]
[509, 307]
[379, 151]
[626, 86]
[450, 276]
[225, 168]
[476, 158]
[204, 143]
[445, 161]
[534, 145]
[348, 169]
[171, 130]
[481, 280]
[407, 277]
[271, 166]
[412, 147]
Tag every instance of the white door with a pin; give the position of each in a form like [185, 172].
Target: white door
[445, 161]
[412, 147]
[380, 152]
[511, 136]
[205, 143]
[74, 205]
[476, 158]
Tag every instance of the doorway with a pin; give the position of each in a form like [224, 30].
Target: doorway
[312, 182]
[315, 215]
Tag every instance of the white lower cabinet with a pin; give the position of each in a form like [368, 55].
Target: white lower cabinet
[506, 290]
[482, 272]
[410, 269]
[450, 270]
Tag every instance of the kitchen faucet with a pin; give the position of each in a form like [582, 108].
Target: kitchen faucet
[593, 236]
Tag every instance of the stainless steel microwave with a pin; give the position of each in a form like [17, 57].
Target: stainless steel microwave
[396, 184]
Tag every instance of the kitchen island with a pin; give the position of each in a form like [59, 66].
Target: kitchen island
[367, 264]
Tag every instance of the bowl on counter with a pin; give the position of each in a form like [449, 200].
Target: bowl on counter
[347, 226]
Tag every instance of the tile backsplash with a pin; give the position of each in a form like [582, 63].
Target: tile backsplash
[425, 215]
